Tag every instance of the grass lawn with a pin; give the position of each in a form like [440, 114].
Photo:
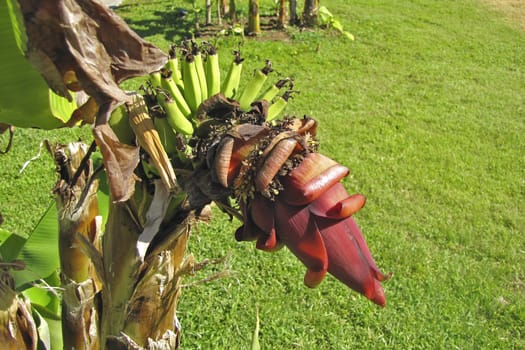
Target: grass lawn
[427, 109]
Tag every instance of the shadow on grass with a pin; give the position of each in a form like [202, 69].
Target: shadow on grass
[173, 22]
[178, 23]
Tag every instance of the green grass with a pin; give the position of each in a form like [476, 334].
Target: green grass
[426, 108]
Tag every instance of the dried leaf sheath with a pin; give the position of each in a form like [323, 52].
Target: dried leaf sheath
[121, 263]
[17, 327]
[77, 210]
[77, 206]
[148, 139]
[140, 296]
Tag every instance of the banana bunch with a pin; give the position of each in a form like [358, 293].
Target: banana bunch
[191, 76]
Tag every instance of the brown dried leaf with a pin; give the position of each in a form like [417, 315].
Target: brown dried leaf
[120, 160]
[86, 37]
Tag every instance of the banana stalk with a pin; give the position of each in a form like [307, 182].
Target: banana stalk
[142, 286]
[254, 86]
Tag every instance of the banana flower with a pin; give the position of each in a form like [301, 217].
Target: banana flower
[312, 216]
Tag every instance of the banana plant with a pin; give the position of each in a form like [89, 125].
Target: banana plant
[254, 21]
[161, 156]
[310, 12]
[327, 19]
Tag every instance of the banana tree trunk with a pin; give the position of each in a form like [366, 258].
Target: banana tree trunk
[208, 12]
[79, 222]
[281, 18]
[310, 12]
[293, 13]
[224, 8]
[232, 11]
[121, 286]
[254, 23]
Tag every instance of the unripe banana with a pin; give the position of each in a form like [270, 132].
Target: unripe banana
[213, 72]
[170, 86]
[119, 122]
[167, 135]
[173, 66]
[192, 89]
[155, 79]
[199, 67]
[231, 83]
[273, 90]
[176, 119]
[254, 86]
[278, 106]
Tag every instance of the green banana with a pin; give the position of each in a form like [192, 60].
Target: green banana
[176, 119]
[273, 90]
[155, 79]
[167, 136]
[192, 89]
[199, 67]
[278, 106]
[213, 72]
[119, 122]
[173, 66]
[254, 86]
[231, 83]
[168, 84]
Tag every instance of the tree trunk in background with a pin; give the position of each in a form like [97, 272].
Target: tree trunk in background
[293, 13]
[233, 11]
[224, 8]
[254, 23]
[310, 12]
[281, 18]
[208, 12]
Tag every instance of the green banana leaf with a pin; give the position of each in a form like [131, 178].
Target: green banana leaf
[49, 332]
[10, 245]
[44, 298]
[46, 309]
[25, 99]
[40, 251]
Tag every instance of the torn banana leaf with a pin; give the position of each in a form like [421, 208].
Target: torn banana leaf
[25, 99]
